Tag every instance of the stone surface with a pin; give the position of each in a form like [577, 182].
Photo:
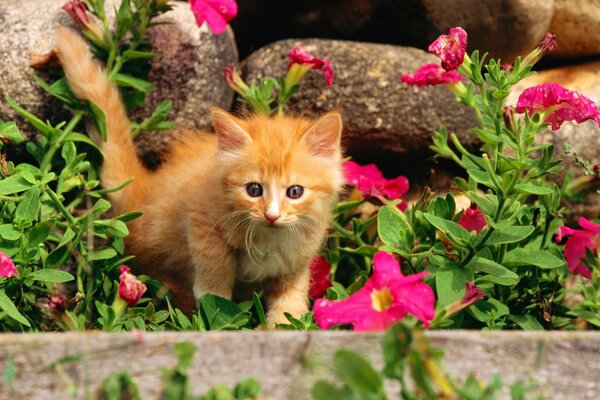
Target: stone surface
[576, 24]
[582, 138]
[189, 73]
[385, 121]
[566, 365]
[505, 28]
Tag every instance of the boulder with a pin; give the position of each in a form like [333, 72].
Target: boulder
[189, 72]
[576, 24]
[385, 121]
[504, 28]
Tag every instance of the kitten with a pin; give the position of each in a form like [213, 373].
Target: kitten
[247, 205]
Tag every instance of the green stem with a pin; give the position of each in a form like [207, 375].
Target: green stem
[46, 163]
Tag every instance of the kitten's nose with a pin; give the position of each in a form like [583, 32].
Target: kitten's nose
[272, 217]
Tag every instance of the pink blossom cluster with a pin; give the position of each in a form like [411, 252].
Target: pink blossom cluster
[216, 13]
[130, 288]
[386, 298]
[369, 180]
[299, 55]
[558, 104]
[7, 266]
[578, 241]
[451, 49]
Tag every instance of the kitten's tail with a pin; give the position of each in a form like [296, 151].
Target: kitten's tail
[89, 81]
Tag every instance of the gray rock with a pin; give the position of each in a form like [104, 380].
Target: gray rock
[505, 29]
[565, 365]
[189, 72]
[576, 24]
[385, 121]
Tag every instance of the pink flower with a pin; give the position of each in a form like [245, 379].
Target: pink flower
[548, 45]
[299, 56]
[557, 104]
[130, 288]
[216, 13]
[57, 303]
[369, 180]
[473, 220]
[7, 266]
[451, 48]
[78, 13]
[234, 80]
[579, 241]
[319, 277]
[431, 74]
[384, 299]
[472, 294]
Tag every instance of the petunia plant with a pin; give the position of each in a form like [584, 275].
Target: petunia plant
[271, 94]
[502, 243]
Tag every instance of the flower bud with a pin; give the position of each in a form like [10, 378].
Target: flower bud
[130, 288]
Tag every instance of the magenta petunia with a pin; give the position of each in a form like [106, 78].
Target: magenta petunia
[299, 55]
[7, 266]
[369, 180]
[130, 288]
[473, 220]
[558, 104]
[472, 294]
[430, 75]
[319, 277]
[216, 13]
[386, 298]
[577, 243]
[451, 48]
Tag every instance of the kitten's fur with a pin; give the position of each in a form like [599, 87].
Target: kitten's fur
[201, 231]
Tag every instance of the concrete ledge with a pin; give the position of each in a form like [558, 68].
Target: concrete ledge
[566, 364]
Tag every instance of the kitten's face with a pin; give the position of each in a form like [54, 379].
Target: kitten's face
[280, 172]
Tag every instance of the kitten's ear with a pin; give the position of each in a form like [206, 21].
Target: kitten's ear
[323, 138]
[232, 137]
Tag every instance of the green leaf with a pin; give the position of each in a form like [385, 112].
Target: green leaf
[99, 121]
[323, 390]
[394, 230]
[39, 233]
[44, 129]
[136, 55]
[450, 283]
[103, 254]
[526, 322]
[529, 188]
[8, 232]
[52, 275]
[358, 374]
[538, 258]
[447, 226]
[496, 273]
[488, 310]
[511, 234]
[222, 313]
[9, 308]
[10, 131]
[135, 83]
[29, 207]
[481, 177]
[260, 311]
[13, 184]
[78, 137]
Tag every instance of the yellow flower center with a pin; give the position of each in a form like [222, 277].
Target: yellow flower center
[382, 299]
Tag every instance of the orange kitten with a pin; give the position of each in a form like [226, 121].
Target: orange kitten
[249, 205]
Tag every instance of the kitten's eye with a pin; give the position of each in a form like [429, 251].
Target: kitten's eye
[254, 189]
[294, 192]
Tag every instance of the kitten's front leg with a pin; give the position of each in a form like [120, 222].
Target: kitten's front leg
[287, 294]
[214, 267]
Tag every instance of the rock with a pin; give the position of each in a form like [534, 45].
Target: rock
[504, 28]
[584, 138]
[385, 121]
[576, 25]
[189, 73]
